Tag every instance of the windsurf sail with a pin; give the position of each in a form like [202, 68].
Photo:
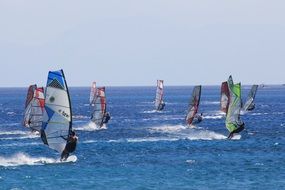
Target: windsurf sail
[92, 92]
[249, 104]
[193, 104]
[98, 107]
[233, 120]
[159, 104]
[34, 108]
[57, 120]
[225, 97]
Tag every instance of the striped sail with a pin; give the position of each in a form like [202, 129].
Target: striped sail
[92, 92]
[98, 106]
[57, 120]
[249, 104]
[233, 114]
[159, 95]
[193, 104]
[34, 108]
[225, 97]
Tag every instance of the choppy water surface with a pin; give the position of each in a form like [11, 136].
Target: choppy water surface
[145, 149]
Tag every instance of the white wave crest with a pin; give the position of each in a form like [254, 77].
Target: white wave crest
[20, 144]
[151, 139]
[213, 117]
[150, 111]
[20, 158]
[11, 113]
[183, 132]
[24, 135]
[236, 137]
[91, 127]
[13, 132]
[80, 117]
[210, 103]
[190, 161]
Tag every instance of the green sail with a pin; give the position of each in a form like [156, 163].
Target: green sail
[233, 115]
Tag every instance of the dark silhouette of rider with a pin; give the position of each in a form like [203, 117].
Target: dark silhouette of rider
[70, 145]
[107, 117]
[237, 130]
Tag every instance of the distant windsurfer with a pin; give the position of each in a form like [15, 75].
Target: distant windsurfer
[70, 146]
[237, 130]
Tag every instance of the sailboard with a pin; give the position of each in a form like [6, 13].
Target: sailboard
[98, 107]
[193, 104]
[57, 118]
[92, 92]
[71, 158]
[159, 104]
[233, 120]
[249, 104]
[225, 97]
[34, 108]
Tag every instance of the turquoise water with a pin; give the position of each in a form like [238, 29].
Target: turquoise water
[144, 149]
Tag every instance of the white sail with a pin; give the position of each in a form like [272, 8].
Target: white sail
[249, 104]
[92, 92]
[159, 104]
[98, 106]
[34, 108]
[57, 121]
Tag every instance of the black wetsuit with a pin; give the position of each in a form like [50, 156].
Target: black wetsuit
[239, 129]
[69, 147]
[106, 118]
[251, 107]
[161, 106]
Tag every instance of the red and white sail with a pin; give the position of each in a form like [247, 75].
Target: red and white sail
[225, 97]
[193, 104]
[34, 108]
[92, 92]
[98, 106]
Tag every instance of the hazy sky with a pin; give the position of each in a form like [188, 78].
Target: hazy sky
[135, 42]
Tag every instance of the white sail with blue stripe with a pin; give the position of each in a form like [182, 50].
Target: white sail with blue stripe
[57, 119]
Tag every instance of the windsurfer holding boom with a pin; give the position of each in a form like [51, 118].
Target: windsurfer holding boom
[237, 130]
[70, 146]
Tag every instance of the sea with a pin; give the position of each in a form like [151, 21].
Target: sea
[144, 149]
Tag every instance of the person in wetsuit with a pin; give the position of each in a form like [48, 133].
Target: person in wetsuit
[237, 130]
[107, 117]
[70, 145]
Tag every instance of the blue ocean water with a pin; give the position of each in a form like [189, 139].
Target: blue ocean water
[145, 149]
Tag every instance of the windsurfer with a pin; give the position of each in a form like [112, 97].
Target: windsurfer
[237, 130]
[107, 117]
[70, 145]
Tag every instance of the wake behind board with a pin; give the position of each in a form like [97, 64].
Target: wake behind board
[71, 158]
